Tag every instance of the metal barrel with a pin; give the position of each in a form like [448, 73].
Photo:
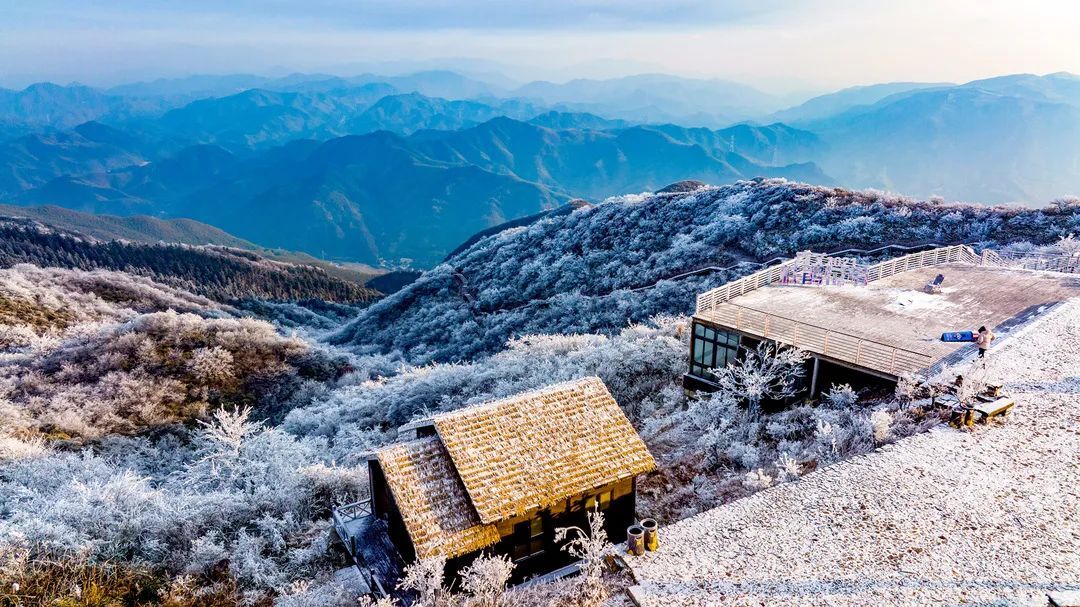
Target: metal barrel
[635, 540]
[652, 538]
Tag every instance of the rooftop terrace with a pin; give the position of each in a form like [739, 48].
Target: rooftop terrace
[889, 324]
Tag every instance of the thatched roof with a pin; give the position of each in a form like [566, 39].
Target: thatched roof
[535, 449]
[437, 513]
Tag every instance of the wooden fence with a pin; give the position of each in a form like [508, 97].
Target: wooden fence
[835, 344]
[923, 259]
[712, 298]
[932, 257]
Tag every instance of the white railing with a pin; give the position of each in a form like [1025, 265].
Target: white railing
[714, 297]
[923, 259]
[808, 337]
[932, 257]
[1069, 264]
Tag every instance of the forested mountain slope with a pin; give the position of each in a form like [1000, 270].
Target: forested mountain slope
[383, 198]
[137, 228]
[574, 273]
[220, 273]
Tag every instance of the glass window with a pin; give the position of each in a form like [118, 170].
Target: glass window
[711, 349]
[699, 351]
[605, 500]
[528, 538]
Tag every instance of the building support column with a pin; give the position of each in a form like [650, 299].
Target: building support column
[813, 377]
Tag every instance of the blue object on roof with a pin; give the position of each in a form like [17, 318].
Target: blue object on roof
[953, 336]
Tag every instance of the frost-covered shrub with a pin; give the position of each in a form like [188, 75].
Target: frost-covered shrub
[574, 273]
[590, 547]
[841, 396]
[159, 368]
[640, 365]
[425, 578]
[882, 423]
[712, 449]
[249, 499]
[769, 372]
[485, 581]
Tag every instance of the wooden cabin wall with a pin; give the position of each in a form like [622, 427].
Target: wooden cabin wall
[618, 514]
[386, 508]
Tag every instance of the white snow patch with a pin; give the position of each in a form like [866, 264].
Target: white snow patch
[990, 516]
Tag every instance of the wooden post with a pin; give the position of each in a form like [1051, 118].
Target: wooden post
[813, 377]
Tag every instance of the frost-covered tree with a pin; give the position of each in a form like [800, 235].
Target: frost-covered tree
[485, 580]
[425, 578]
[841, 396]
[577, 272]
[591, 547]
[769, 372]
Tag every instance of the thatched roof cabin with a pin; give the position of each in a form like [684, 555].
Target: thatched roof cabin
[502, 475]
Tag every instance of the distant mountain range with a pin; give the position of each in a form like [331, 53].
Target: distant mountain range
[398, 170]
[1014, 138]
[380, 197]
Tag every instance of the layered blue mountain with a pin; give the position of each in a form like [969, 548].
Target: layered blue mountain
[656, 98]
[843, 100]
[384, 198]
[1014, 138]
[376, 169]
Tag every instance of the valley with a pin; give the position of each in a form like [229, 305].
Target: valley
[346, 160]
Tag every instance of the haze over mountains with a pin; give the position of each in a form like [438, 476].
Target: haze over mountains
[401, 169]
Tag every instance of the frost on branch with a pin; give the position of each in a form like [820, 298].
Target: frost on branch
[841, 396]
[485, 581]
[425, 578]
[590, 548]
[769, 372]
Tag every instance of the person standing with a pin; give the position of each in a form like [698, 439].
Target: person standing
[983, 339]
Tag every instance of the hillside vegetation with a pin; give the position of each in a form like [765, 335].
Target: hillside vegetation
[219, 273]
[136, 228]
[575, 273]
[158, 447]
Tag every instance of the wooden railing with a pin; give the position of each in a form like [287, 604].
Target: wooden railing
[1069, 264]
[932, 257]
[712, 298]
[923, 259]
[808, 337]
[345, 514]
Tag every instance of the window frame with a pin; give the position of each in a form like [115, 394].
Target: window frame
[711, 348]
[529, 539]
[598, 502]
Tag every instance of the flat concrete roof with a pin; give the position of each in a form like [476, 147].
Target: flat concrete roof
[897, 312]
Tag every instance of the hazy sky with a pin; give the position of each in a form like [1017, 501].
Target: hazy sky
[777, 45]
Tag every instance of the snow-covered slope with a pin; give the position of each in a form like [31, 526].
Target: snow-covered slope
[579, 272]
[989, 516]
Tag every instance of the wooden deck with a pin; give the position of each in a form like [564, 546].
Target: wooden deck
[838, 345]
[366, 540]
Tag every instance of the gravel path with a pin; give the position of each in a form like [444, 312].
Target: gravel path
[986, 517]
